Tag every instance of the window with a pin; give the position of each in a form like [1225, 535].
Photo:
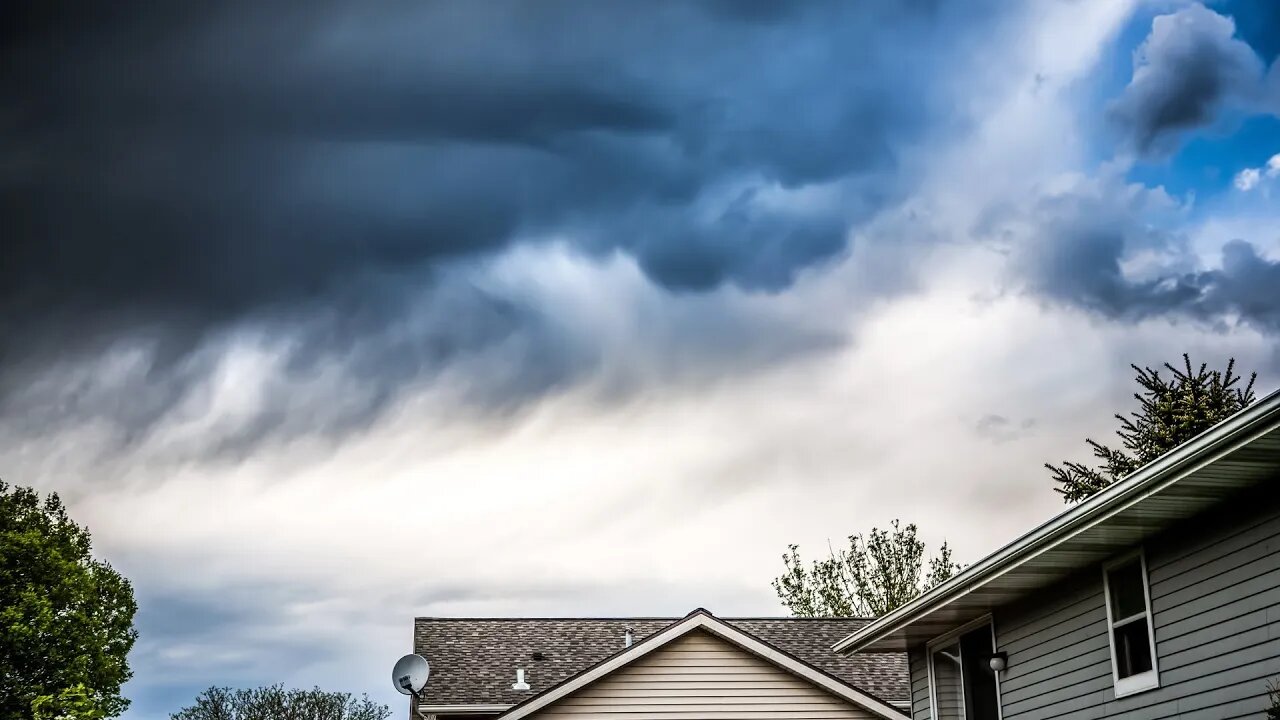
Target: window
[1133, 647]
[963, 685]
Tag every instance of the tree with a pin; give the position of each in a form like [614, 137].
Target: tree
[1273, 695]
[276, 703]
[873, 576]
[66, 619]
[74, 703]
[1170, 412]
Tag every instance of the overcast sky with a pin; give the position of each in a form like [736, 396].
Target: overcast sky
[325, 315]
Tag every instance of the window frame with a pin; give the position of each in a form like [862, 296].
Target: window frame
[955, 634]
[1143, 681]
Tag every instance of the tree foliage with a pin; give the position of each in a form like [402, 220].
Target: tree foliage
[74, 703]
[66, 619]
[1170, 412]
[1273, 695]
[277, 703]
[873, 576]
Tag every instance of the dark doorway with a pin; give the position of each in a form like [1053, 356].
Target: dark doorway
[964, 685]
[980, 698]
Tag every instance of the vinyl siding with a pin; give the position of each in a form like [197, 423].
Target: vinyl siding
[701, 677]
[919, 672]
[1215, 599]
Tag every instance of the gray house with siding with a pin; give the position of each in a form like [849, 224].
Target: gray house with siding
[1158, 597]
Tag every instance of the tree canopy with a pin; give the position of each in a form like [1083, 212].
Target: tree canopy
[872, 576]
[277, 703]
[1170, 412]
[66, 619]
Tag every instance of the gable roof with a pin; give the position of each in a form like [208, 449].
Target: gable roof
[1240, 452]
[473, 660]
[702, 620]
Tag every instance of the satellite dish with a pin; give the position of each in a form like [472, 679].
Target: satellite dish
[410, 674]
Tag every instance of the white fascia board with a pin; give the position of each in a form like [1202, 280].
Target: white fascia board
[462, 709]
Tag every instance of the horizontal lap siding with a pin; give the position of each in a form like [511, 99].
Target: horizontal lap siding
[700, 677]
[1215, 596]
[919, 684]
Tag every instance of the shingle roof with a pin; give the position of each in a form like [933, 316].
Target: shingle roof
[474, 660]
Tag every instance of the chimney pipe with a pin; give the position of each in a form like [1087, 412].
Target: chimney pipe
[626, 639]
[520, 684]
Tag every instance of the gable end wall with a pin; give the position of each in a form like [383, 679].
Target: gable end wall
[702, 677]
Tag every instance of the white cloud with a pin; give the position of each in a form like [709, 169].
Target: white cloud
[676, 497]
[1247, 179]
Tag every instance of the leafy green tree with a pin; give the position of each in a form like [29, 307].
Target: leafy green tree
[74, 703]
[1170, 412]
[66, 619]
[277, 703]
[873, 576]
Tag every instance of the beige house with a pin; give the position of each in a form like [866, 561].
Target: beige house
[698, 667]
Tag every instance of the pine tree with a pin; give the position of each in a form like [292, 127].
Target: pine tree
[1171, 412]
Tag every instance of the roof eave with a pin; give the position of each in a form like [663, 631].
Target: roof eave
[430, 709]
[1228, 435]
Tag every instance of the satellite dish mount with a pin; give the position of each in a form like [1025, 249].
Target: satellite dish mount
[410, 677]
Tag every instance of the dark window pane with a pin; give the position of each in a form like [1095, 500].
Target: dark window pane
[1125, 584]
[1133, 648]
[979, 679]
[964, 684]
[946, 683]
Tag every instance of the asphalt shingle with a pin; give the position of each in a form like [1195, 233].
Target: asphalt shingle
[474, 660]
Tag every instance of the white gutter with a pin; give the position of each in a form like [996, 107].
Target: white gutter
[1226, 436]
[462, 709]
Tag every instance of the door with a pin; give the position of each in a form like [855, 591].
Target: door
[963, 685]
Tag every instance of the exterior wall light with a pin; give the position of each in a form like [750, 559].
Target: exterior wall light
[999, 661]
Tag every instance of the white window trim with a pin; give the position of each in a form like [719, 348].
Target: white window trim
[1150, 679]
[948, 637]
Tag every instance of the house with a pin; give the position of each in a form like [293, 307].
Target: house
[698, 666]
[1158, 597]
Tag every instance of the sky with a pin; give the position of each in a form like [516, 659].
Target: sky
[325, 315]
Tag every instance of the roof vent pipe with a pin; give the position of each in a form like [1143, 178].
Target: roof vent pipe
[520, 684]
[626, 639]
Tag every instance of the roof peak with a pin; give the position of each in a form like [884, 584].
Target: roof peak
[473, 658]
[702, 620]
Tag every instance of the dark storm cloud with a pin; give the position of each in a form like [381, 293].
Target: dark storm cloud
[1083, 241]
[170, 170]
[381, 333]
[1191, 70]
[224, 157]
[1190, 67]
